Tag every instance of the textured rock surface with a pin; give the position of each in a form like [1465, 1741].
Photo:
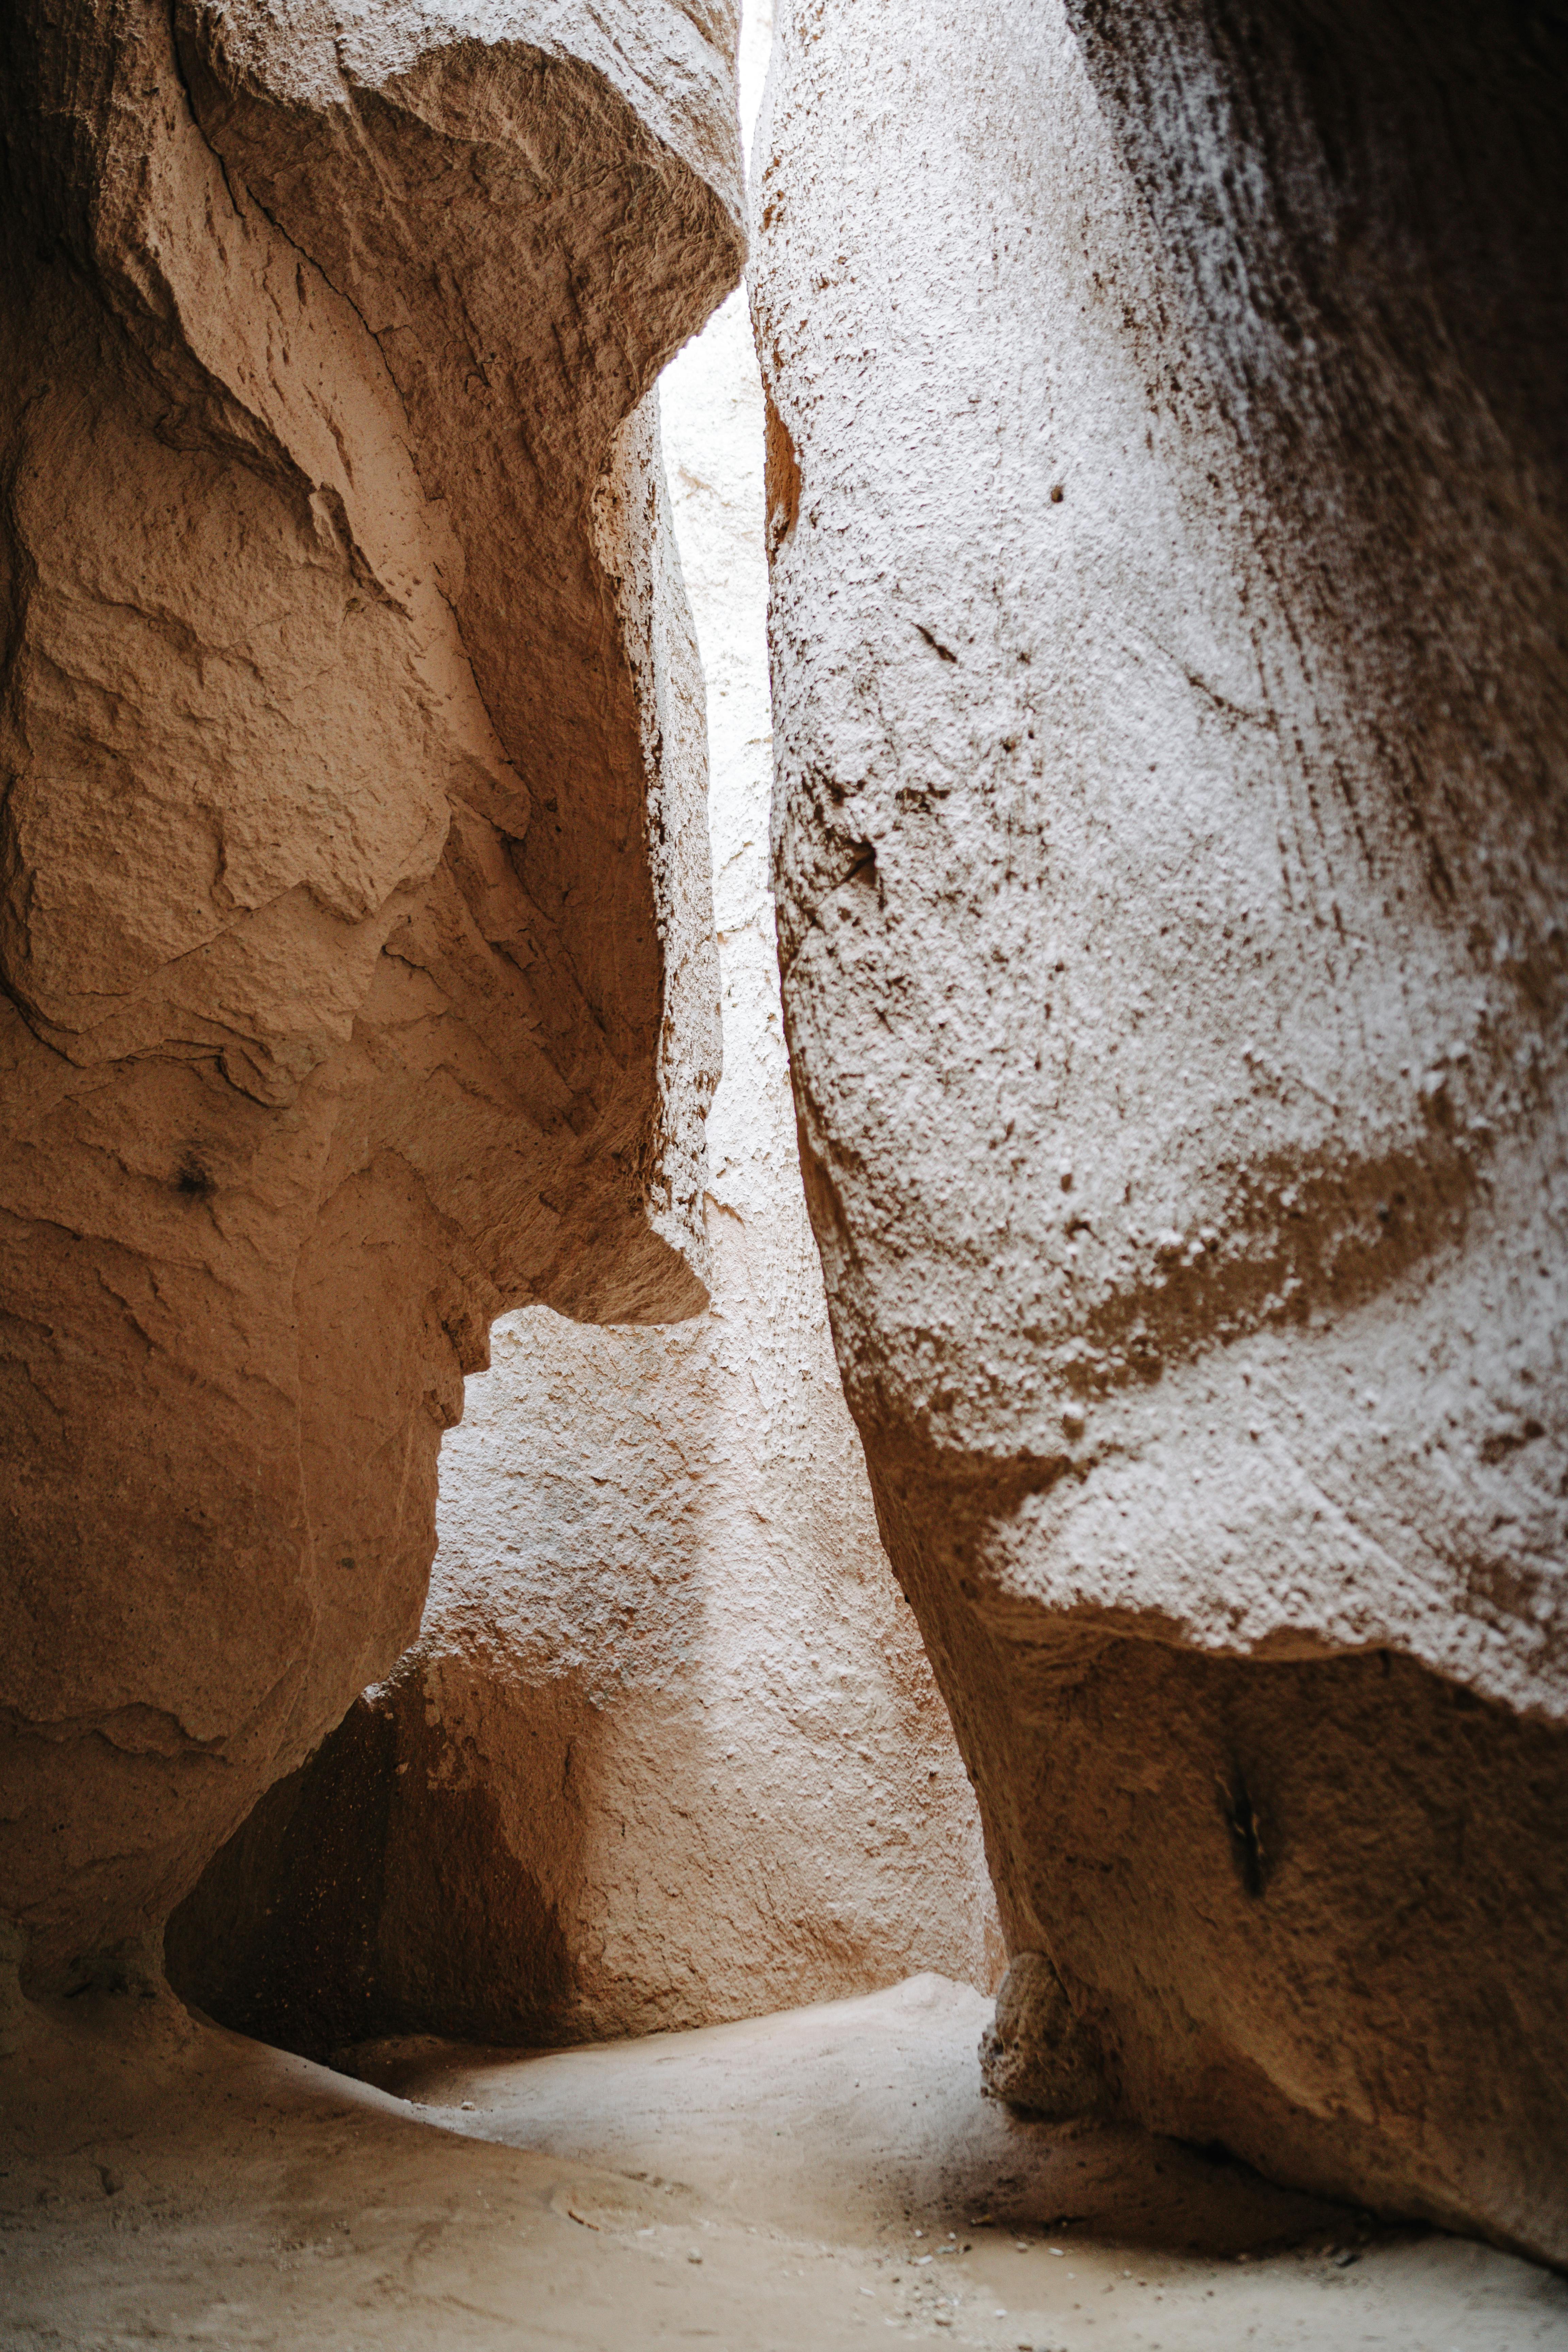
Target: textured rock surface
[1036, 2055]
[668, 1748]
[1168, 568]
[355, 931]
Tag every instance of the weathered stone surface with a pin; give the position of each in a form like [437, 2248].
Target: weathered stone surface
[667, 1749]
[1036, 2054]
[1168, 590]
[355, 929]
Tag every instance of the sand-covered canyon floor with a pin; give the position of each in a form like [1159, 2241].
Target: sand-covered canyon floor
[824, 2178]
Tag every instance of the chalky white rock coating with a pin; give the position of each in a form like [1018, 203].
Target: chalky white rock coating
[1150, 1044]
[1167, 561]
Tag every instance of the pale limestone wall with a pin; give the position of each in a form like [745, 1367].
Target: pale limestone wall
[1166, 504]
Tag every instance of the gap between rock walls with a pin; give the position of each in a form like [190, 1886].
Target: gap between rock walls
[667, 1750]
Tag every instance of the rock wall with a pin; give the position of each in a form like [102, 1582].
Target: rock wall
[355, 934]
[667, 1749]
[1166, 450]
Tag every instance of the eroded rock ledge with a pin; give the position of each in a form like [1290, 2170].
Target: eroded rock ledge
[355, 934]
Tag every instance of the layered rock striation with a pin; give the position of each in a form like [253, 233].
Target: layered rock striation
[1165, 507]
[356, 939]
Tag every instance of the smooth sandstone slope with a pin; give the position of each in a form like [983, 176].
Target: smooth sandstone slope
[355, 933]
[667, 1749]
[1165, 507]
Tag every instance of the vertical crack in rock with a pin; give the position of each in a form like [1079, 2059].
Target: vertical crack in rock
[667, 1750]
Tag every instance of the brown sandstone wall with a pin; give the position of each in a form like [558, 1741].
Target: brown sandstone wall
[356, 935]
[1168, 574]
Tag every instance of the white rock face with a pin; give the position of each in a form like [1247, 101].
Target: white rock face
[1165, 522]
[1159, 1063]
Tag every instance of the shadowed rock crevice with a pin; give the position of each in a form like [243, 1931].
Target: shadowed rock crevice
[667, 1750]
[332, 1916]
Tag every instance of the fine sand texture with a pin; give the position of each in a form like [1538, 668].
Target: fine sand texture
[823, 2177]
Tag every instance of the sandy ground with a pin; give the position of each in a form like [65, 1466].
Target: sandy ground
[826, 2178]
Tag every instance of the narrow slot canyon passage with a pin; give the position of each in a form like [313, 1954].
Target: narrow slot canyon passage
[782, 1268]
[667, 1750]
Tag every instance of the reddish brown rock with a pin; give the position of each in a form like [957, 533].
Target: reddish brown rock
[355, 931]
[1168, 583]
